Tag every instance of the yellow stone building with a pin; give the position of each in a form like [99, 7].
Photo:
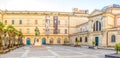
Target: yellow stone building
[54, 27]
[103, 27]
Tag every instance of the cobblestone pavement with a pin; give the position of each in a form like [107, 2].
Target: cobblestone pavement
[52, 51]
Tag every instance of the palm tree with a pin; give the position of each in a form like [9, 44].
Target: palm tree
[15, 40]
[20, 38]
[1, 28]
[11, 34]
[1, 33]
[5, 38]
[18, 33]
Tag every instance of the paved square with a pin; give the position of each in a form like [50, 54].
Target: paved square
[54, 51]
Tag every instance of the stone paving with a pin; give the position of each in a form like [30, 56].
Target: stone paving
[54, 51]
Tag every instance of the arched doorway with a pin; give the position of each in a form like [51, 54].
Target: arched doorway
[28, 41]
[65, 41]
[51, 41]
[58, 40]
[96, 41]
[43, 41]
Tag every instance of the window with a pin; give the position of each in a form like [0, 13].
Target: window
[97, 26]
[65, 40]
[58, 40]
[65, 31]
[55, 25]
[51, 41]
[55, 17]
[113, 39]
[55, 20]
[86, 40]
[76, 39]
[12, 21]
[20, 22]
[28, 30]
[47, 20]
[36, 22]
[80, 39]
[5, 22]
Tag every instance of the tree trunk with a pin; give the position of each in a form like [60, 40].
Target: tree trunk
[116, 51]
[0, 43]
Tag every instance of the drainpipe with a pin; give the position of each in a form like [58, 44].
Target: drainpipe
[107, 40]
[68, 27]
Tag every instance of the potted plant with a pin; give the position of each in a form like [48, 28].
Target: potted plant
[93, 42]
[66, 42]
[77, 43]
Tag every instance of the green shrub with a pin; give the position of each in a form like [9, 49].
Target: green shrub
[93, 42]
[78, 41]
[117, 48]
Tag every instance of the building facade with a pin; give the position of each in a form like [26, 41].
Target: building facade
[102, 27]
[54, 27]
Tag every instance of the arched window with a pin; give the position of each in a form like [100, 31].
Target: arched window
[51, 41]
[86, 39]
[97, 26]
[58, 40]
[76, 39]
[65, 40]
[20, 21]
[113, 39]
[80, 39]
[12, 21]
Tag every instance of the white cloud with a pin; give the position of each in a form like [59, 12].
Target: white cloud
[35, 5]
[53, 5]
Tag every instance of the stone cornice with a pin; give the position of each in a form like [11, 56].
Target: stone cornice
[42, 13]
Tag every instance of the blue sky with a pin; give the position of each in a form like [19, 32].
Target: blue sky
[55, 5]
